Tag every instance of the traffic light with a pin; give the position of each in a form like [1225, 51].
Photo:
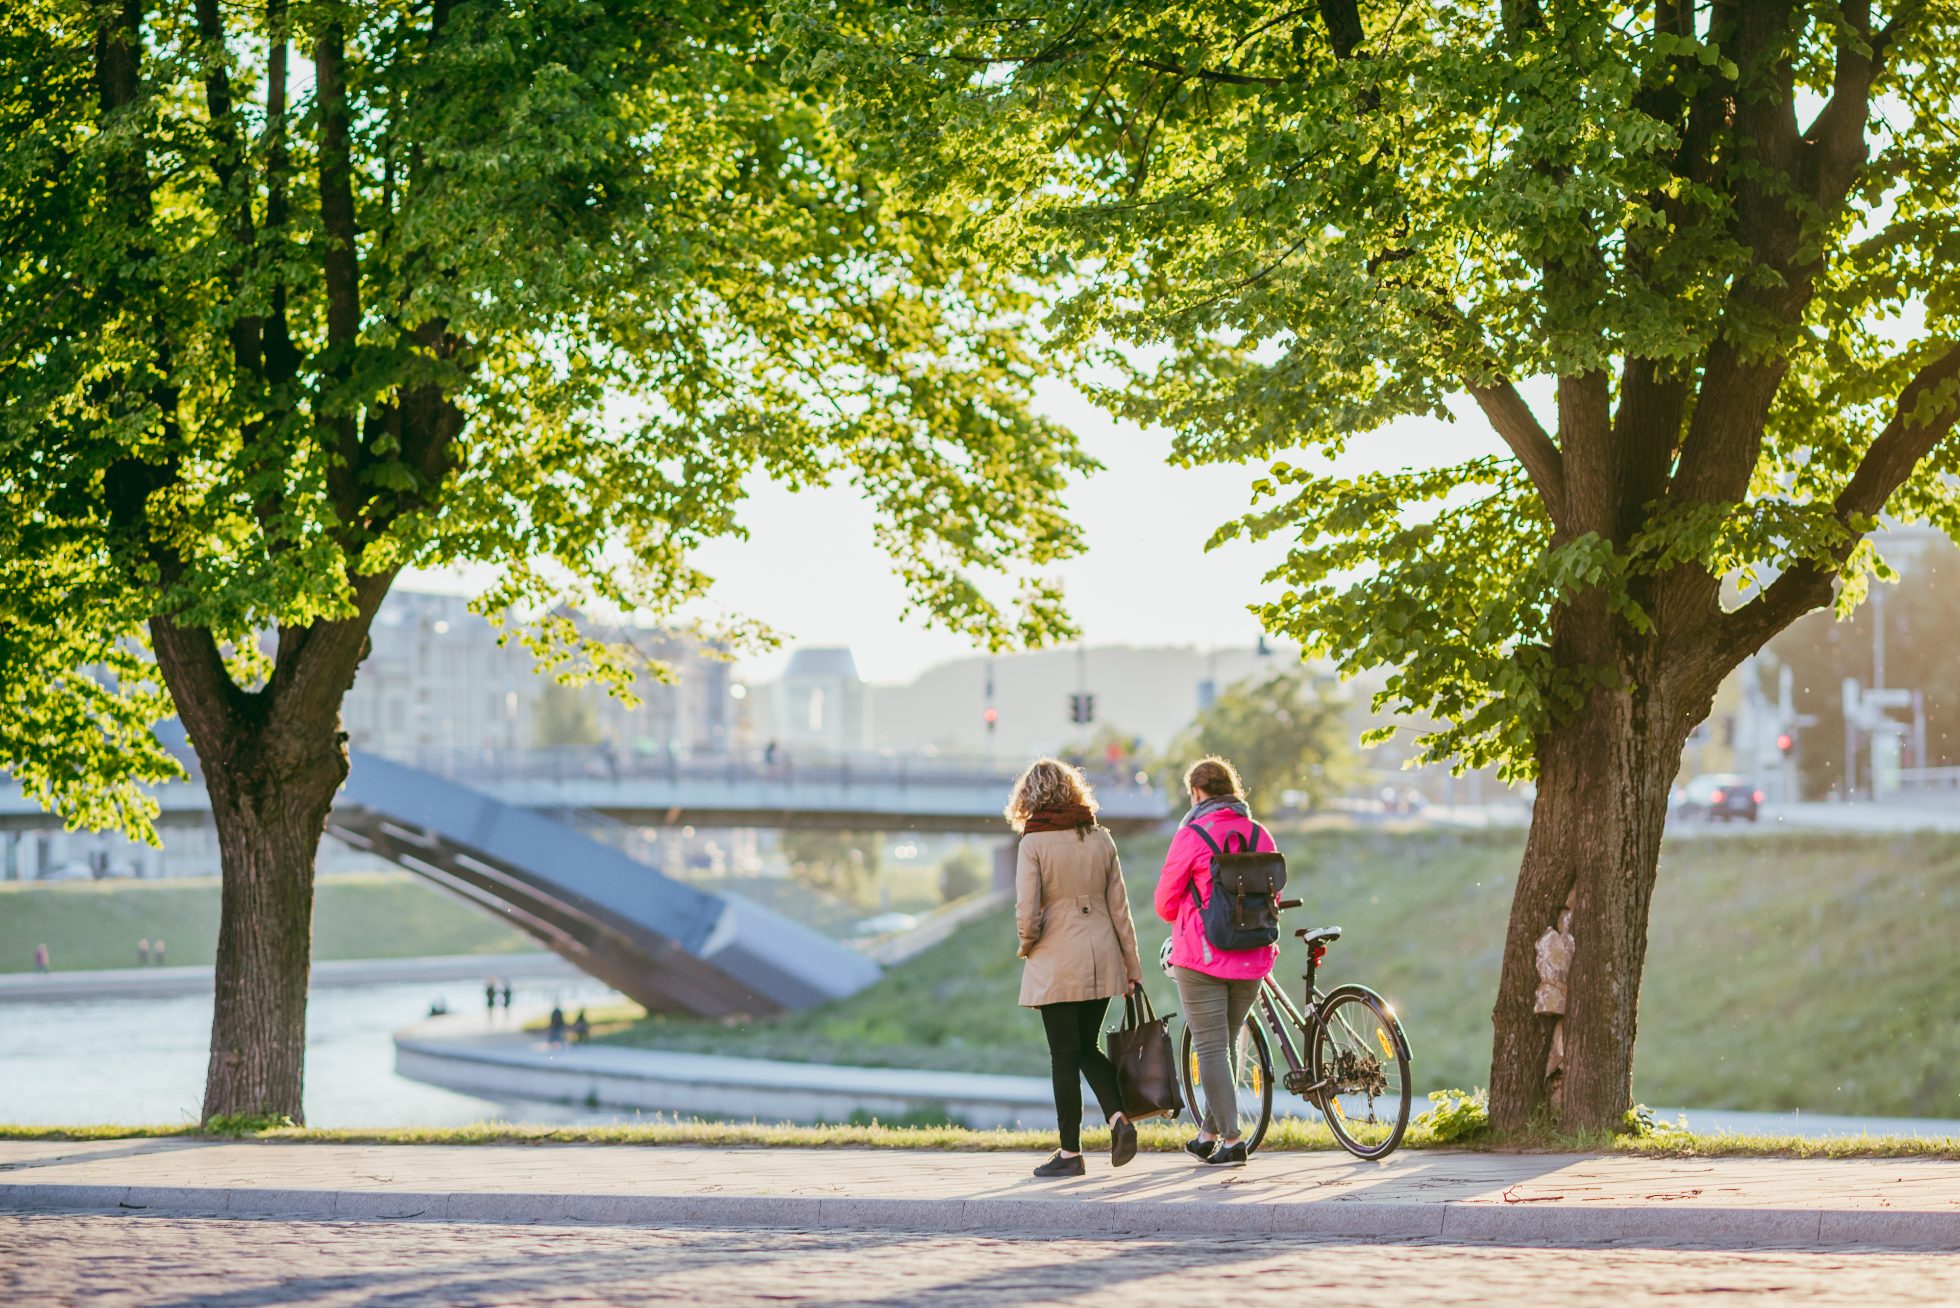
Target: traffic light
[1785, 743]
[991, 716]
[1081, 708]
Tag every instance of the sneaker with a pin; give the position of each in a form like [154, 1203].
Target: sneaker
[1199, 1147]
[1060, 1166]
[1122, 1142]
[1229, 1155]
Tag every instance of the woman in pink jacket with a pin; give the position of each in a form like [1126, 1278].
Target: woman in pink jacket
[1216, 986]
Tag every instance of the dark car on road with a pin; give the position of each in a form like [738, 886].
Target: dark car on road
[1720, 796]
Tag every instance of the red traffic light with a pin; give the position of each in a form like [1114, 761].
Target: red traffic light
[992, 716]
[1784, 742]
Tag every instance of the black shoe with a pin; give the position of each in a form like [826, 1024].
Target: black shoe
[1199, 1147]
[1122, 1142]
[1060, 1166]
[1233, 1155]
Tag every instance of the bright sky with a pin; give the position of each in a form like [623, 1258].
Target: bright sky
[812, 570]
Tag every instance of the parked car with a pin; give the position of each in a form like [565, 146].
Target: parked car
[1720, 796]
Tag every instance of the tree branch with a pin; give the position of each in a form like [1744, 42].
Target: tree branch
[282, 357]
[1344, 30]
[1834, 145]
[314, 666]
[339, 258]
[1208, 74]
[208, 701]
[1527, 439]
[228, 164]
[1910, 435]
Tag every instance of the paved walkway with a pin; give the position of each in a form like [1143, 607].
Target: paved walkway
[161, 1262]
[1716, 1203]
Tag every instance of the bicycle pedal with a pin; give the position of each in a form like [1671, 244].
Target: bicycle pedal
[1298, 1083]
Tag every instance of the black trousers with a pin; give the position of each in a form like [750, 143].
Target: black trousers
[1075, 1051]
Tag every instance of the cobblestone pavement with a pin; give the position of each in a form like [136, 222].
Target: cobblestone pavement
[160, 1262]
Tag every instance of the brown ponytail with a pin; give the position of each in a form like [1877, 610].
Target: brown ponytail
[1214, 778]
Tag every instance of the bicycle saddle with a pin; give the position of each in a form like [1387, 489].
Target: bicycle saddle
[1319, 935]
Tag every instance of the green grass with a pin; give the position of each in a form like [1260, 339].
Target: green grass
[1783, 971]
[1287, 1136]
[96, 924]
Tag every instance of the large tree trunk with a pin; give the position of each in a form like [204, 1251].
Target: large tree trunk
[270, 793]
[273, 759]
[1594, 843]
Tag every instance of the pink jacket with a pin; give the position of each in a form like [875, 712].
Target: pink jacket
[1189, 862]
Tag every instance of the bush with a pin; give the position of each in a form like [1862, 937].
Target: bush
[962, 874]
[1456, 1117]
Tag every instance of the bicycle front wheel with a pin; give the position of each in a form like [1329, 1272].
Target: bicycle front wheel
[1252, 1067]
[1361, 1071]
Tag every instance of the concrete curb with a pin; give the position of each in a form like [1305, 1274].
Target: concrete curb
[1705, 1227]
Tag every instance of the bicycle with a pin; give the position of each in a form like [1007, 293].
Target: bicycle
[1356, 1054]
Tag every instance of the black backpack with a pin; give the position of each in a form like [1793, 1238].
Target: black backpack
[1243, 912]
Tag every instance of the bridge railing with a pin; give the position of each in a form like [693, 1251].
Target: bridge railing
[782, 768]
[1922, 780]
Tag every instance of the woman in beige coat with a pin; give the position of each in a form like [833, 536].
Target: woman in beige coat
[1073, 914]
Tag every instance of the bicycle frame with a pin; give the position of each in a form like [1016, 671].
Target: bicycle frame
[1273, 1003]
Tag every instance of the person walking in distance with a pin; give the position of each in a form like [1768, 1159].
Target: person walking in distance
[556, 1033]
[581, 1028]
[41, 963]
[1072, 913]
[490, 997]
[1216, 987]
[506, 997]
[143, 952]
[156, 952]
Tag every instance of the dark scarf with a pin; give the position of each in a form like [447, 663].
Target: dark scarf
[1064, 817]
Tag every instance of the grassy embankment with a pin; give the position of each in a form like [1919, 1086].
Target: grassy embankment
[1784, 971]
[96, 924]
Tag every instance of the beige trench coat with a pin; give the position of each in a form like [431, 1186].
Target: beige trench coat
[1073, 914]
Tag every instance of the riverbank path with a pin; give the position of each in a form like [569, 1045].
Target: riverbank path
[1574, 1199]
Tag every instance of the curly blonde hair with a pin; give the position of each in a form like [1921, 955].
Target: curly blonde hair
[1048, 783]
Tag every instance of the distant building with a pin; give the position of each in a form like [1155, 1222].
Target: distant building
[437, 679]
[692, 714]
[821, 702]
[1152, 692]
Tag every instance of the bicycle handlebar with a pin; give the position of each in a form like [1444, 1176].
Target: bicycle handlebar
[1287, 903]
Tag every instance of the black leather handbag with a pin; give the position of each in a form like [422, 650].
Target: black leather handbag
[1146, 1065]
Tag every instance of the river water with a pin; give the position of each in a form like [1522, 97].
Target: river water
[142, 1061]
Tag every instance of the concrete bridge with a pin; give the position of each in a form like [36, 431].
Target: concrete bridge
[672, 947]
[547, 840]
[842, 792]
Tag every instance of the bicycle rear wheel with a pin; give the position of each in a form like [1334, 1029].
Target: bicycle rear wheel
[1361, 1064]
[1252, 1065]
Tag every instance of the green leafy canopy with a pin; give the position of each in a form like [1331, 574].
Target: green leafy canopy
[1714, 244]
[297, 294]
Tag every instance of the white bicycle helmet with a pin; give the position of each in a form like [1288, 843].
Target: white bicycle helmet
[1164, 957]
